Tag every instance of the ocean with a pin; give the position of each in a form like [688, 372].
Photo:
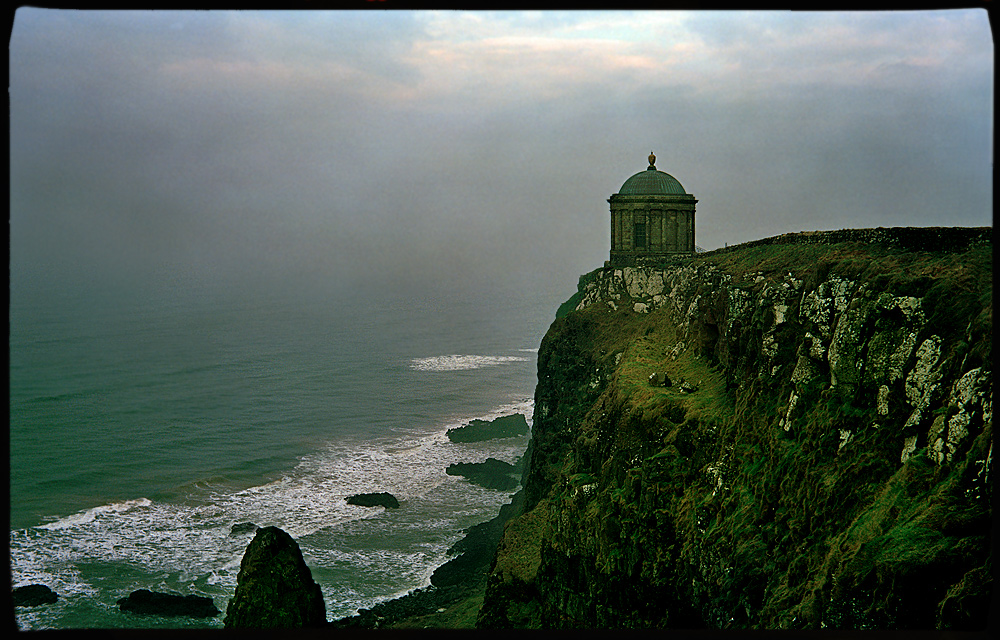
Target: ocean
[143, 428]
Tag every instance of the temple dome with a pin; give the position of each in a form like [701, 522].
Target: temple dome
[652, 183]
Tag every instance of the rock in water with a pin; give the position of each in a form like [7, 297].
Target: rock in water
[242, 528]
[510, 426]
[382, 499]
[168, 604]
[492, 474]
[275, 589]
[32, 595]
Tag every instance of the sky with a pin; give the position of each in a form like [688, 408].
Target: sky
[404, 153]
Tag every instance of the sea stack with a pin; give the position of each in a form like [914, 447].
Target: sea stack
[275, 589]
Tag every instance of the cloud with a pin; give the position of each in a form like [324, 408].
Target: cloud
[464, 148]
[757, 51]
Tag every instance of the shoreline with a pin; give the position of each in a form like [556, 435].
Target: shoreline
[461, 578]
[458, 574]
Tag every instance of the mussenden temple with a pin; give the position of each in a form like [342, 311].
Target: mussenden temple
[652, 217]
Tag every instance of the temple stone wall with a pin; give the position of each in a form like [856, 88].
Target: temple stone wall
[668, 220]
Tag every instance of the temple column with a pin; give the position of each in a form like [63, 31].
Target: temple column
[692, 230]
[673, 231]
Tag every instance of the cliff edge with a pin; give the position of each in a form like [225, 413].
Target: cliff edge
[821, 460]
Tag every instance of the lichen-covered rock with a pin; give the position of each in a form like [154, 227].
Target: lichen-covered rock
[923, 379]
[274, 588]
[822, 305]
[846, 343]
[969, 405]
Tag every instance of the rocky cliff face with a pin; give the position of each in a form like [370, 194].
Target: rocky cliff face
[823, 458]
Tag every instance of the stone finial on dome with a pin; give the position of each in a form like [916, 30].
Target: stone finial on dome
[652, 160]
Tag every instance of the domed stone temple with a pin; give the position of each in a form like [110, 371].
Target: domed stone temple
[651, 217]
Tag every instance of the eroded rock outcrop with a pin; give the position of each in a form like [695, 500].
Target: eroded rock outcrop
[509, 426]
[829, 466]
[145, 602]
[379, 499]
[491, 473]
[33, 595]
[274, 588]
[242, 529]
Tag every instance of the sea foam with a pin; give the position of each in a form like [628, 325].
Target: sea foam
[461, 362]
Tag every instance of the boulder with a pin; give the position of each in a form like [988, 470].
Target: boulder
[492, 474]
[381, 499]
[687, 387]
[145, 602]
[32, 595]
[659, 379]
[242, 528]
[274, 588]
[478, 430]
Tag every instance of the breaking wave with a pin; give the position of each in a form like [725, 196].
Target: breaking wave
[461, 362]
